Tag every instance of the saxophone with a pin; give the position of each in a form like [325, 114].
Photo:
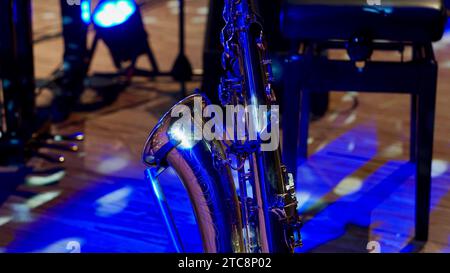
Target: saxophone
[242, 196]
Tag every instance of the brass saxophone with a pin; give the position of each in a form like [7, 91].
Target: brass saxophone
[243, 198]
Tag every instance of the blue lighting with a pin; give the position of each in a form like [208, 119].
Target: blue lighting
[111, 13]
[86, 11]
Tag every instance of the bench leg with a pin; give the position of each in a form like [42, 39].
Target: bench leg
[425, 131]
[413, 132]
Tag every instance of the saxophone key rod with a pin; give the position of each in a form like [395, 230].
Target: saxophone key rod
[152, 177]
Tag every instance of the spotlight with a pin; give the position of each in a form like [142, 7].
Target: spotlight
[108, 13]
[119, 24]
[113, 13]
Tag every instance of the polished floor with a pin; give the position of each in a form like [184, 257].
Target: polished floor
[357, 187]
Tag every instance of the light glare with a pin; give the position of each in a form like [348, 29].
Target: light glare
[113, 13]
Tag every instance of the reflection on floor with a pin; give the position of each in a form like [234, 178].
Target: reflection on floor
[345, 188]
[357, 186]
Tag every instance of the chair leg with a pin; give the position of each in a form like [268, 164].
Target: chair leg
[413, 132]
[425, 131]
[291, 114]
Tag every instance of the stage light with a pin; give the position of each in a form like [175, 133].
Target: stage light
[86, 11]
[111, 13]
[118, 23]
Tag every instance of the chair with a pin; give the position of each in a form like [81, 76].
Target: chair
[361, 27]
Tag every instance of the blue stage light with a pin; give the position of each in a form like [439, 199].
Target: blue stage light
[112, 13]
[86, 11]
[118, 23]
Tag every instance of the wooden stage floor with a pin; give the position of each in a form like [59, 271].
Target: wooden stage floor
[357, 186]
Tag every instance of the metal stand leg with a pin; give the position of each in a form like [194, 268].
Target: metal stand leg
[182, 69]
[152, 60]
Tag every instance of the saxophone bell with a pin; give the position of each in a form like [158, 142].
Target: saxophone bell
[208, 182]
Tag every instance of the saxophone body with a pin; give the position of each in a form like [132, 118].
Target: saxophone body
[243, 197]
